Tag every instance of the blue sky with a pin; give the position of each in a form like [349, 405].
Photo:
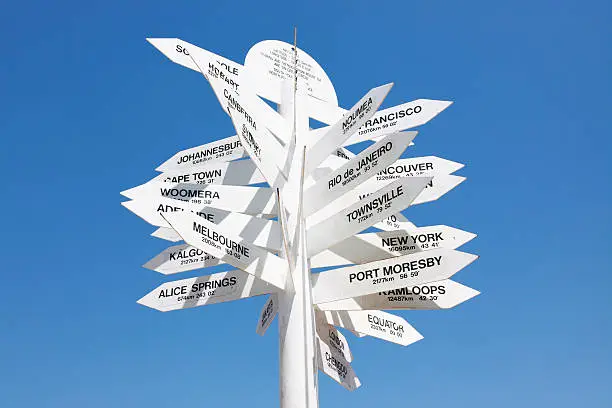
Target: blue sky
[89, 108]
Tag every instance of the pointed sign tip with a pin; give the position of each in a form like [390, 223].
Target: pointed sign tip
[128, 193]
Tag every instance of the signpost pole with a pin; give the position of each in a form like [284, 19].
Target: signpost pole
[298, 369]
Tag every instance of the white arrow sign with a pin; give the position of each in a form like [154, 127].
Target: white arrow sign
[166, 233]
[357, 170]
[334, 339]
[418, 166]
[400, 117]
[388, 274]
[266, 82]
[334, 365]
[327, 229]
[444, 294]
[224, 245]
[219, 151]
[259, 231]
[344, 153]
[242, 199]
[264, 150]
[215, 66]
[205, 290]
[435, 188]
[268, 312]
[180, 52]
[395, 222]
[240, 172]
[375, 323]
[181, 258]
[375, 246]
[345, 127]
[397, 118]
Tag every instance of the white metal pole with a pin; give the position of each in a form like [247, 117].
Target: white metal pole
[298, 370]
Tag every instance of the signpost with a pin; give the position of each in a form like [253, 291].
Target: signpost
[278, 198]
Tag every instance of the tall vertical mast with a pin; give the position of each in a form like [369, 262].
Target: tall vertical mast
[298, 371]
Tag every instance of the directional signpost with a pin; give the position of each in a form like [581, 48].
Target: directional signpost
[278, 198]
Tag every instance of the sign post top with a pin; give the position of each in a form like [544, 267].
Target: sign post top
[276, 59]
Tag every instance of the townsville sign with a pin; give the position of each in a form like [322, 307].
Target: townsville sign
[253, 212]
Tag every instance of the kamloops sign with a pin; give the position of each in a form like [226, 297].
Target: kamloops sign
[326, 230]
[375, 246]
[181, 258]
[227, 247]
[443, 294]
[205, 290]
[355, 171]
[242, 199]
[388, 274]
[375, 323]
[219, 151]
[241, 172]
[259, 231]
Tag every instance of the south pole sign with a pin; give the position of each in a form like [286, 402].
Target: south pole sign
[253, 211]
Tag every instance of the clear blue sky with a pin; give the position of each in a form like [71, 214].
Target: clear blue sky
[89, 108]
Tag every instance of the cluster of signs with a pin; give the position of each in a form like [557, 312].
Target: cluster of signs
[211, 198]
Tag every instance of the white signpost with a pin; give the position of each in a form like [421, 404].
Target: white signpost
[313, 201]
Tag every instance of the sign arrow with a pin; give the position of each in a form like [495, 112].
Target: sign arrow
[267, 314]
[259, 231]
[181, 258]
[400, 117]
[219, 151]
[264, 150]
[242, 199]
[388, 274]
[166, 233]
[375, 246]
[335, 366]
[221, 243]
[435, 188]
[444, 294]
[241, 172]
[397, 118]
[205, 290]
[345, 127]
[355, 171]
[375, 323]
[418, 166]
[334, 339]
[330, 226]
[395, 222]
[199, 59]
